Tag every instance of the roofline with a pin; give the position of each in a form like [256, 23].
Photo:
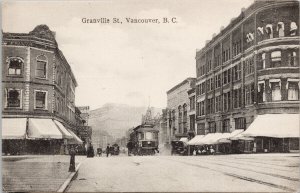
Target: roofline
[240, 18]
[181, 83]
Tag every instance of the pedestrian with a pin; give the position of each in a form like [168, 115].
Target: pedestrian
[212, 151]
[72, 153]
[107, 150]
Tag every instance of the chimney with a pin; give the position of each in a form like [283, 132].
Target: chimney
[214, 35]
[221, 28]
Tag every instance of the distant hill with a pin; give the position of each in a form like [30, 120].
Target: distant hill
[116, 119]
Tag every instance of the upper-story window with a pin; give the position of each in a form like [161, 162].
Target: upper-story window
[40, 99]
[269, 30]
[15, 65]
[218, 80]
[13, 98]
[208, 63]
[280, 29]
[292, 58]
[41, 67]
[293, 28]
[218, 103]
[263, 60]
[237, 72]
[261, 95]
[192, 103]
[249, 94]
[276, 59]
[249, 66]
[236, 48]
[226, 125]
[276, 90]
[293, 90]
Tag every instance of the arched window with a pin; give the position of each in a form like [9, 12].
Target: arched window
[41, 66]
[15, 65]
[269, 30]
[293, 29]
[280, 29]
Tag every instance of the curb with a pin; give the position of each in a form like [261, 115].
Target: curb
[71, 176]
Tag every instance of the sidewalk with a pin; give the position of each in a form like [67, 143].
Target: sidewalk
[45, 173]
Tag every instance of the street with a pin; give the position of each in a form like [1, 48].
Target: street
[220, 173]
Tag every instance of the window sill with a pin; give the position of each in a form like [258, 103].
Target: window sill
[13, 108]
[41, 78]
[15, 76]
[36, 109]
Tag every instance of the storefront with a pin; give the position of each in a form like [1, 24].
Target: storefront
[34, 136]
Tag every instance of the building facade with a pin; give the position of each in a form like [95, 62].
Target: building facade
[178, 105]
[250, 68]
[38, 83]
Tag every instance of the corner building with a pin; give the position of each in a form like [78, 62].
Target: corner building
[38, 94]
[250, 69]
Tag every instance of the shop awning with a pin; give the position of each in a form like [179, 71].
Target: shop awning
[43, 129]
[196, 140]
[63, 130]
[232, 134]
[241, 137]
[75, 139]
[274, 125]
[14, 128]
[184, 139]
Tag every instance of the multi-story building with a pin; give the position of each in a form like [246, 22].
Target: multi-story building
[178, 105]
[249, 69]
[38, 92]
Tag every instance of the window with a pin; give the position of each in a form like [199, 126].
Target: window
[226, 101]
[237, 72]
[237, 102]
[240, 123]
[276, 91]
[226, 125]
[40, 100]
[192, 103]
[225, 77]
[280, 29]
[210, 105]
[229, 75]
[218, 103]
[14, 98]
[211, 84]
[212, 127]
[249, 66]
[292, 58]
[261, 92]
[293, 90]
[293, 28]
[201, 108]
[41, 67]
[218, 80]
[208, 85]
[269, 30]
[276, 59]
[15, 66]
[198, 109]
[263, 60]
[249, 94]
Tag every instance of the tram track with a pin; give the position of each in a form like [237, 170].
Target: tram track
[242, 177]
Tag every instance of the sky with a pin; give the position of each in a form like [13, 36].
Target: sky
[128, 63]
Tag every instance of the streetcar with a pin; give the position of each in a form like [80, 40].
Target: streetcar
[143, 140]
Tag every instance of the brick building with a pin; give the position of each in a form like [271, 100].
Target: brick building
[178, 105]
[38, 93]
[251, 69]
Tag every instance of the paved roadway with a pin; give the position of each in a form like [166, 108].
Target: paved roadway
[219, 173]
[35, 173]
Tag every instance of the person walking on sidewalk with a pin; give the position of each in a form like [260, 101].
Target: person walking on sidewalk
[107, 150]
[72, 153]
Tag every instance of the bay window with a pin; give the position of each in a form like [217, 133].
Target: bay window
[276, 90]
